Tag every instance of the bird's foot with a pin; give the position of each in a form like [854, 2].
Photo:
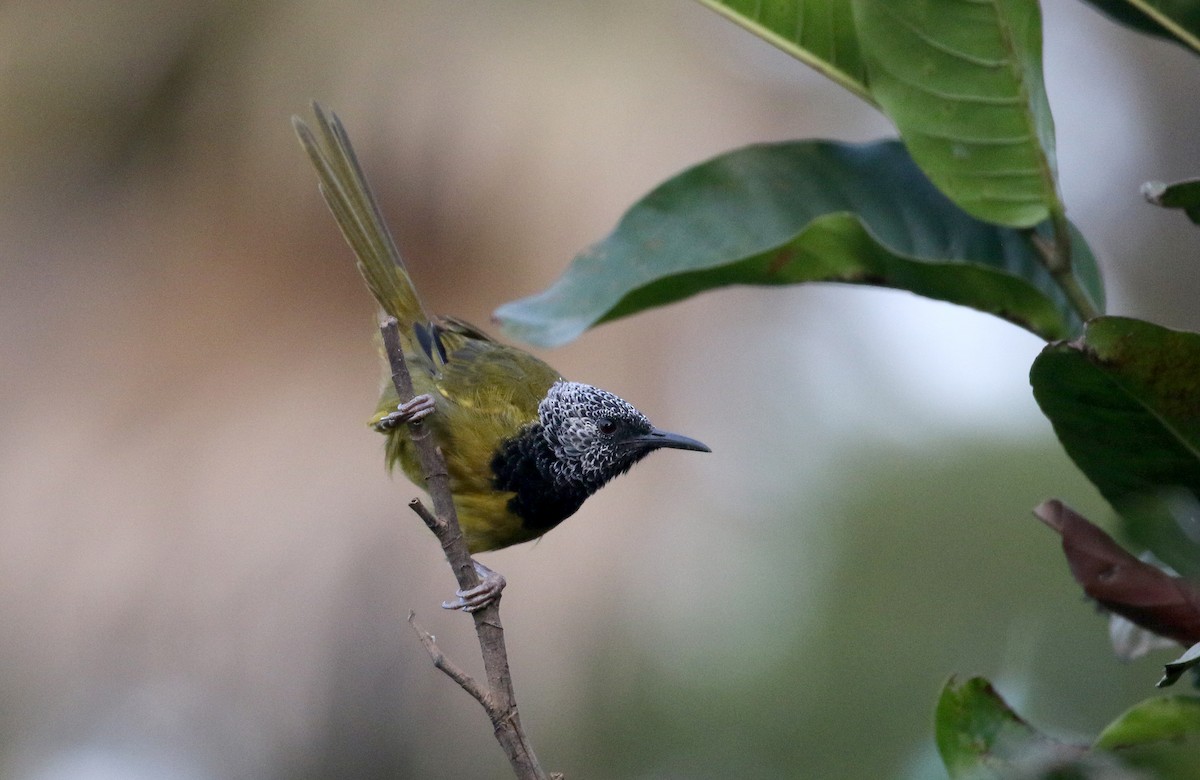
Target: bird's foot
[485, 593]
[418, 408]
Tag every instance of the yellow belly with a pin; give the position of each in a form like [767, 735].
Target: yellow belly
[483, 514]
[486, 522]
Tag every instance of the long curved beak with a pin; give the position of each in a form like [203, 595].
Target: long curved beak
[660, 439]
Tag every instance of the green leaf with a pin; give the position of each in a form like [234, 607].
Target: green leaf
[819, 33]
[1175, 669]
[980, 737]
[1177, 20]
[1161, 735]
[1180, 195]
[1154, 720]
[1125, 403]
[802, 212]
[977, 731]
[963, 83]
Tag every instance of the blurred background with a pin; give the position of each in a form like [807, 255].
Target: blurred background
[205, 570]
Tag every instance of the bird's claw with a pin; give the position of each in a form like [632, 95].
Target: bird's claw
[485, 593]
[413, 410]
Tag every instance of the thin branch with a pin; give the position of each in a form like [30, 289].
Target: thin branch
[433, 465]
[451, 669]
[444, 524]
[432, 521]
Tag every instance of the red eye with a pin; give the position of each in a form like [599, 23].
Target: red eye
[606, 426]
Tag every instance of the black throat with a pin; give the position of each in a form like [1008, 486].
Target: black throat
[522, 465]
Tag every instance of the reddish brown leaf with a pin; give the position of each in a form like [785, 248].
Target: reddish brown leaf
[1151, 598]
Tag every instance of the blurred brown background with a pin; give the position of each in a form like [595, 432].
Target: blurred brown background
[205, 570]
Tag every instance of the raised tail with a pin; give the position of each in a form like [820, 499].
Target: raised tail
[353, 205]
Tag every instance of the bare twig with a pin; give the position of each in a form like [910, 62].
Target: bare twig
[498, 699]
[451, 669]
[432, 521]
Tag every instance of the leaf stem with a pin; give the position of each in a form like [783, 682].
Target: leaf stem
[1056, 257]
[1078, 298]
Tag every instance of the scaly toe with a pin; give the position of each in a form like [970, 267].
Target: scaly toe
[486, 592]
[416, 409]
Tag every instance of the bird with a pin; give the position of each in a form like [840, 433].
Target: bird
[524, 447]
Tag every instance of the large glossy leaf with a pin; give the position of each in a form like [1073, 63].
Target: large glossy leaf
[1177, 20]
[802, 212]
[962, 80]
[1125, 403]
[976, 731]
[818, 32]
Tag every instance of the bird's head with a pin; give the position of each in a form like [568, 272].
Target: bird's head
[595, 435]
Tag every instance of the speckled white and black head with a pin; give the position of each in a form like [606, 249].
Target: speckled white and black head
[584, 437]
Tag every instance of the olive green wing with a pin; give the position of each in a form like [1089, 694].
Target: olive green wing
[485, 393]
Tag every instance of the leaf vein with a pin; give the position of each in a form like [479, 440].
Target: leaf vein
[945, 48]
[1010, 140]
[985, 100]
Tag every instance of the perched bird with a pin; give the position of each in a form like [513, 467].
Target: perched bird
[523, 447]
